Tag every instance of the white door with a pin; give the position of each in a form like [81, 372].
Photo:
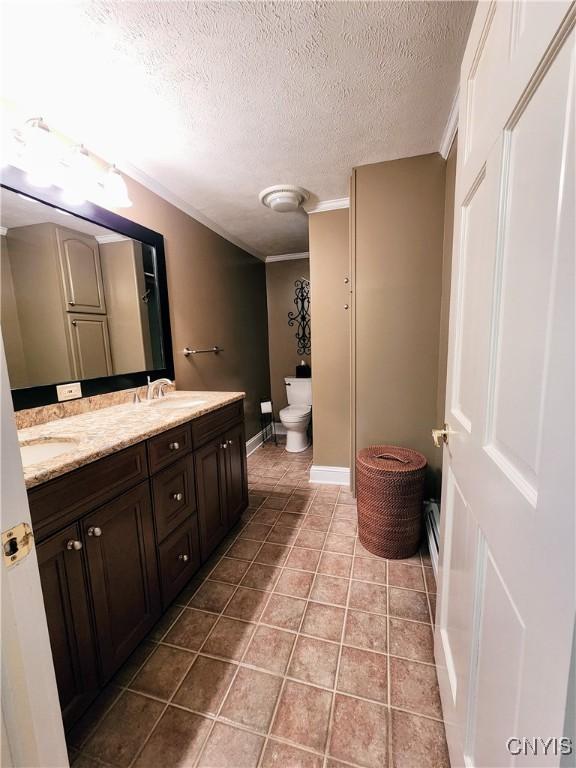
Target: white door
[506, 583]
[31, 731]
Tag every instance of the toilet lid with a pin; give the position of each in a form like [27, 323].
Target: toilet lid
[295, 412]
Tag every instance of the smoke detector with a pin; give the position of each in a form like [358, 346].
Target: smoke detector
[283, 198]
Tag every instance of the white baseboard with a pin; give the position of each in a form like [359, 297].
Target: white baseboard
[330, 475]
[254, 443]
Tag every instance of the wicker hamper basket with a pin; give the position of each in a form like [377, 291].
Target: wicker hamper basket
[389, 490]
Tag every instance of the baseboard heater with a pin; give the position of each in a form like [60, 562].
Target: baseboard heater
[432, 521]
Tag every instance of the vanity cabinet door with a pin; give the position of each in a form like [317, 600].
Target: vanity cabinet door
[90, 346]
[236, 476]
[210, 470]
[123, 570]
[65, 590]
[82, 272]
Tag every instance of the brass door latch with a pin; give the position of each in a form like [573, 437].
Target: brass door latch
[17, 542]
[440, 436]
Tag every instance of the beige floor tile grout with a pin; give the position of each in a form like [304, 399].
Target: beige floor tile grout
[288, 482]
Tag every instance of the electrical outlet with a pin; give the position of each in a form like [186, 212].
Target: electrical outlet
[69, 391]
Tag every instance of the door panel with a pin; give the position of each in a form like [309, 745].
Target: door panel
[236, 482]
[506, 580]
[123, 575]
[500, 658]
[67, 612]
[90, 346]
[80, 260]
[210, 471]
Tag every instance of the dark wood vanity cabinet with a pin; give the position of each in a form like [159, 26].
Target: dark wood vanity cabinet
[64, 585]
[236, 473]
[221, 480]
[119, 538]
[121, 557]
[210, 468]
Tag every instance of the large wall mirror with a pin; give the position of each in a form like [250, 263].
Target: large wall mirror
[83, 298]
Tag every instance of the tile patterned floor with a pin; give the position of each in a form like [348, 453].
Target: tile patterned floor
[293, 648]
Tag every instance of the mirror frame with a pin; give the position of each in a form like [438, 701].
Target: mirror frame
[14, 180]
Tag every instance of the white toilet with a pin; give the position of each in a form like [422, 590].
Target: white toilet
[297, 414]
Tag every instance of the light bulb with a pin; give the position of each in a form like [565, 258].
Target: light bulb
[41, 153]
[79, 177]
[115, 192]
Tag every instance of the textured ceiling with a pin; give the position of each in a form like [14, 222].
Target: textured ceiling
[217, 100]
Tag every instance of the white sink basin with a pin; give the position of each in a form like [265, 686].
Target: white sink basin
[42, 449]
[173, 401]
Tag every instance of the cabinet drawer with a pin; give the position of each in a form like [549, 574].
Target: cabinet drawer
[207, 427]
[169, 446]
[179, 559]
[174, 496]
[63, 500]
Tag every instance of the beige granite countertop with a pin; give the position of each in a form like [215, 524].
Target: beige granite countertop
[101, 432]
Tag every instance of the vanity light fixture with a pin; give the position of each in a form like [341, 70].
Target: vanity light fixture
[48, 161]
[115, 190]
[41, 153]
[79, 177]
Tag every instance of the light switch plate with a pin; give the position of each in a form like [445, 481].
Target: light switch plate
[69, 391]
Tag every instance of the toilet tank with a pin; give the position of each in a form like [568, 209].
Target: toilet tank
[298, 391]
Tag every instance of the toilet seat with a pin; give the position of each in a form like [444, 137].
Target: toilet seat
[295, 413]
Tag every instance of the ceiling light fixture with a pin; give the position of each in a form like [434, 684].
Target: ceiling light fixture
[283, 198]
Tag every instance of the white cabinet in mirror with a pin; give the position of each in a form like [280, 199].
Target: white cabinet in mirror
[78, 301]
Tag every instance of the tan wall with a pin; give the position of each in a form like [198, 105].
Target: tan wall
[398, 210]
[329, 264]
[10, 321]
[446, 275]
[282, 344]
[217, 296]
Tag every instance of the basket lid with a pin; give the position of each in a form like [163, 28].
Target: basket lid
[390, 458]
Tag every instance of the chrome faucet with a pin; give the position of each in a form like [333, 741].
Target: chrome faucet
[156, 388]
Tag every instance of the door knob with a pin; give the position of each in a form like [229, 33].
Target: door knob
[95, 531]
[440, 436]
[74, 544]
[174, 446]
[184, 558]
[177, 496]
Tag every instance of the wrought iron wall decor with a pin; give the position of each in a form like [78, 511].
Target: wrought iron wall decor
[302, 316]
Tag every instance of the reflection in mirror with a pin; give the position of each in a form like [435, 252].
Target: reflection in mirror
[78, 301]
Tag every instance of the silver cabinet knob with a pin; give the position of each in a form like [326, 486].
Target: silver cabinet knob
[346, 280]
[95, 531]
[230, 442]
[74, 544]
[174, 446]
[177, 496]
[72, 303]
[224, 445]
[184, 558]
[346, 306]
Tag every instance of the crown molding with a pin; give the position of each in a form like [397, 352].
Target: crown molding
[451, 127]
[113, 238]
[160, 190]
[288, 257]
[328, 205]
[3, 230]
